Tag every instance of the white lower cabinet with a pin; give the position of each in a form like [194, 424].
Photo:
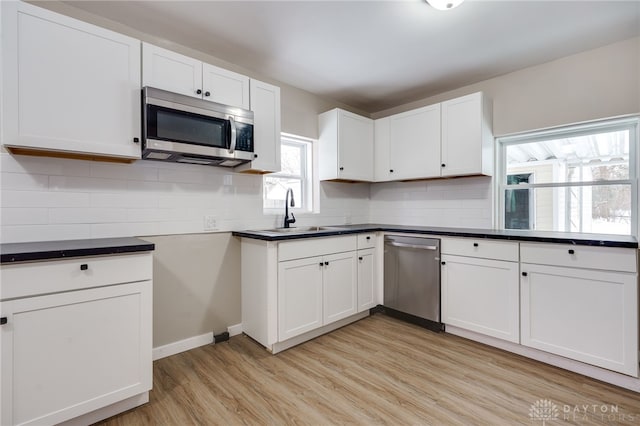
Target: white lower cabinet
[299, 296]
[366, 279]
[481, 295]
[480, 286]
[67, 354]
[582, 314]
[315, 291]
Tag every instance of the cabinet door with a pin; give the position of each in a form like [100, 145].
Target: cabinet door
[481, 295]
[265, 104]
[414, 143]
[299, 296]
[167, 70]
[381, 165]
[340, 286]
[462, 136]
[225, 87]
[68, 86]
[590, 316]
[67, 354]
[355, 147]
[366, 279]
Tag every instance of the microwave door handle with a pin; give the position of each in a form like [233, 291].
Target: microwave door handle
[232, 123]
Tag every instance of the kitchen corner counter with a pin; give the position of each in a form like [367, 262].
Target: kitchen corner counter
[599, 240]
[49, 250]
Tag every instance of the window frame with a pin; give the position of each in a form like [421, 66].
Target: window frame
[630, 123]
[307, 177]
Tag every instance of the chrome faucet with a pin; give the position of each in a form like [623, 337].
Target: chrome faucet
[288, 221]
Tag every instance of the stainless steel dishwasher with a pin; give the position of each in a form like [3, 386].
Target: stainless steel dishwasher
[412, 279]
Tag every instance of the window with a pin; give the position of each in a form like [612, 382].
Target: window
[296, 173]
[578, 178]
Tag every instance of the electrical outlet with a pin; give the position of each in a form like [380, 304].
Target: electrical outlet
[209, 223]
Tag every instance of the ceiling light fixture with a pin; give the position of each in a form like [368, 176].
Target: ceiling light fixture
[444, 4]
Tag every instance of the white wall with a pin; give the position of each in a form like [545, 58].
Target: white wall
[53, 199]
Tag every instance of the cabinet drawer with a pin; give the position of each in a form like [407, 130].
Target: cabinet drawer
[308, 247]
[32, 278]
[607, 258]
[366, 241]
[482, 248]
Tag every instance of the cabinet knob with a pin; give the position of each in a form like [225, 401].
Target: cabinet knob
[84, 267]
[341, 168]
[368, 237]
[391, 171]
[524, 274]
[443, 165]
[207, 94]
[326, 263]
[255, 155]
[443, 263]
[572, 251]
[475, 244]
[3, 320]
[198, 92]
[321, 264]
[136, 140]
[360, 258]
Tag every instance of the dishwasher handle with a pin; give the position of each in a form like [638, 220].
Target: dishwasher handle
[413, 246]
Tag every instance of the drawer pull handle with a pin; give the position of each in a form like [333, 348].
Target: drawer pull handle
[84, 267]
[475, 244]
[321, 264]
[443, 263]
[326, 263]
[524, 274]
[3, 320]
[360, 258]
[572, 251]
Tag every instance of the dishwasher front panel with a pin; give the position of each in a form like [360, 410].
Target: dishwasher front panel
[412, 276]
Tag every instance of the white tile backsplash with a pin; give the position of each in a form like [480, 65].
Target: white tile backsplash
[53, 198]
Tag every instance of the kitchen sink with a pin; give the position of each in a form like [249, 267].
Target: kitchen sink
[302, 229]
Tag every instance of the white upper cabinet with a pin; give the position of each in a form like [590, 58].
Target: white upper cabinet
[346, 146]
[467, 140]
[69, 87]
[453, 138]
[414, 144]
[171, 71]
[167, 70]
[265, 104]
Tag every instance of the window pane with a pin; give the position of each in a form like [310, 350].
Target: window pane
[604, 209]
[275, 190]
[291, 159]
[588, 158]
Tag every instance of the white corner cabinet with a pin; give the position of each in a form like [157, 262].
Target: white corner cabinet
[346, 146]
[70, 88]
[480, 286]
[168, 70]
[452, 138]
[76, 337]
[581, 302]
[298, 289]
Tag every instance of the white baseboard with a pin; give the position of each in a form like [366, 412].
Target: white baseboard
[234, 330]
[182, 346]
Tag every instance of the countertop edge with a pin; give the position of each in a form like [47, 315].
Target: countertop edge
[586, 241]
[25, 255]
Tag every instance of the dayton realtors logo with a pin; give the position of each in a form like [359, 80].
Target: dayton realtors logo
[545, 410]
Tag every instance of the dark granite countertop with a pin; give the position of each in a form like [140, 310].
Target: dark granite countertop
[600, 240]
[49, 250]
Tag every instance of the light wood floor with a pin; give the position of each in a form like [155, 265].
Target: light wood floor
[376, 371]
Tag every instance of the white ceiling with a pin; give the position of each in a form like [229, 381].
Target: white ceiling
[374, 55]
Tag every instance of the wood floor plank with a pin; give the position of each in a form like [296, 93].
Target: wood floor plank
[378, 371]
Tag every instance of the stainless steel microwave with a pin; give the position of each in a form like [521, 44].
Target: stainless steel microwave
[184, 129]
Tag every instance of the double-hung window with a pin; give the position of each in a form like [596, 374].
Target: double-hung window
[579, 178]
[296, 155]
